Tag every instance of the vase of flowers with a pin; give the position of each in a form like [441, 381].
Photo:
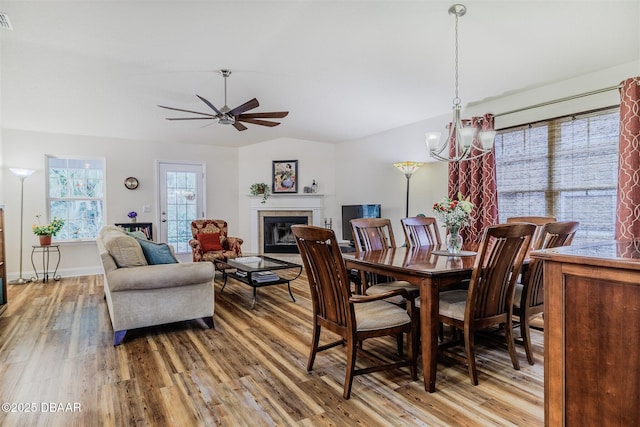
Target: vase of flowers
[133, 215]
[454, 214]
[46, 232]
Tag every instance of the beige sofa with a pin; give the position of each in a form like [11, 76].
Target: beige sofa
[140, 295]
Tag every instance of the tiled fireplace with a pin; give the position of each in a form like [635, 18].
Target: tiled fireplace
[275, 218]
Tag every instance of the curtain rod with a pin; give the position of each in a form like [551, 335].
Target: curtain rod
[556, 101]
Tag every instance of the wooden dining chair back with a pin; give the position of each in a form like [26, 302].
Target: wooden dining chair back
[528, 301]
[539, 221]
[370, 234]
[353, 318]
[489, 300]
[421, 231]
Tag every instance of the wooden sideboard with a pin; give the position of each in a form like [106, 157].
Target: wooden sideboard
[592, 334]
[145, 227]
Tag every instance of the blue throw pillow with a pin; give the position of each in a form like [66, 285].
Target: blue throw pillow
[137, 234]
[156, 253]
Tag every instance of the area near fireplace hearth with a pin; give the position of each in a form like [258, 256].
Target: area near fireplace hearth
[276, 216]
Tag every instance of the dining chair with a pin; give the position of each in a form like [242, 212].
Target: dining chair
[370, 234]
[489, 300]
[421, 231]
[352, 317]
[539, 221]
[528, 301]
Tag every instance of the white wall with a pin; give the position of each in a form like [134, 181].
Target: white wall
[365, 174]
[123, 159]
[602, 79]
[316, 160]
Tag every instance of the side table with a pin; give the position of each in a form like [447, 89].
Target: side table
[45, 251]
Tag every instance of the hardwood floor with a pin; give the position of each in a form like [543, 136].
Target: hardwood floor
[57, 360]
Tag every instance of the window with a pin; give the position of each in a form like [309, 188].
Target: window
[76, 194]
[566, 168]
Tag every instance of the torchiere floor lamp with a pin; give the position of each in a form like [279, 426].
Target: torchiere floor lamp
[408, 168]
[22, 174]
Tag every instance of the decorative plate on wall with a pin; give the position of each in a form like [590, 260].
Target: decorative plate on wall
[131, 183]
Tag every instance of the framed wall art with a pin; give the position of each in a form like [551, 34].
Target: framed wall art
[285, 176]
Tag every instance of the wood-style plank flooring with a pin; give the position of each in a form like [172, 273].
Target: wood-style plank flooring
[57, 360]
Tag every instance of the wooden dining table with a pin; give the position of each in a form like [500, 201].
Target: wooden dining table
[432, 270]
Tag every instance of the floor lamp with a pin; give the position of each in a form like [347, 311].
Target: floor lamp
[408, 168]
[22, 174]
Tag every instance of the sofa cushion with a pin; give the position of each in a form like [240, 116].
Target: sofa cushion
[210, 241]
[160, 276]
[137, 234]
[125, 250]
[157, 253]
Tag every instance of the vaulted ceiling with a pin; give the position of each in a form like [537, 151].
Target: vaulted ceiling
[343, 69]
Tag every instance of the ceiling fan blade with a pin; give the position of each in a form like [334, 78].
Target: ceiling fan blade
[239, 126]
[271, 115]
[209, 104]
[186, 111]
[249, 105]
[191, 118]
[257, 122]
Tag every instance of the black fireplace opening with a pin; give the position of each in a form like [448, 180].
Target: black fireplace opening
[278, 237]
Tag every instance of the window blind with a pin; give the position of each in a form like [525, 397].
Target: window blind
[566, 167]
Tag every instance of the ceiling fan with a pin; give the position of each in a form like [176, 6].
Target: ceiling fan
[228, 116]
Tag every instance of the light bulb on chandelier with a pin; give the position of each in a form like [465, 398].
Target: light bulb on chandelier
[461, 144]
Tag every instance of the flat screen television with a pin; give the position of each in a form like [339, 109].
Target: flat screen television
[350, 212]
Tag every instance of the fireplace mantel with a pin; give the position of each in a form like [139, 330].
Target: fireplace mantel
[281, 202]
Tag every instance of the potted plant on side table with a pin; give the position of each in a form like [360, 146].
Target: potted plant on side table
[47, 231]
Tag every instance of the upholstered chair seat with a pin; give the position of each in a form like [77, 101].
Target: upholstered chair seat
[379, 315]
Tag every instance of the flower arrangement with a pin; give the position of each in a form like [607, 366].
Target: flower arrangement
[260, 188]
[454, 213]
[51, 229]
[132, 214]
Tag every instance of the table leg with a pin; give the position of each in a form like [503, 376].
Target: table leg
[35, 270]
[45, 265]
[56, 276]
[289, 286]
[429, 306]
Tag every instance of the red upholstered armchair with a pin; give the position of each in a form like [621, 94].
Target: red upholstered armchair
[210, 241]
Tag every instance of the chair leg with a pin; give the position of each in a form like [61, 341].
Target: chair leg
[525, 332]
[413, 351]
[511, 344]
[352, 349]
[469, 345]
[315, 339]
[399, 340]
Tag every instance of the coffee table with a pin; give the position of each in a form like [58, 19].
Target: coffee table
[251, 270]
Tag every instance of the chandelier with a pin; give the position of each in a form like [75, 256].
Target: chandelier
[462, 143]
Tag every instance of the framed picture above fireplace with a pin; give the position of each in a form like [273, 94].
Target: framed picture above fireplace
[285, 176]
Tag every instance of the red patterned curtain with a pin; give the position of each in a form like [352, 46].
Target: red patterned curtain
[476, 178]
[628, 206]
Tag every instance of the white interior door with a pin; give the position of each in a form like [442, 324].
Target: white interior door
[181, 187]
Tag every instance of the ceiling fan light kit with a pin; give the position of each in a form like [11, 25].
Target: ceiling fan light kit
[459, 145]
[228, 116]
